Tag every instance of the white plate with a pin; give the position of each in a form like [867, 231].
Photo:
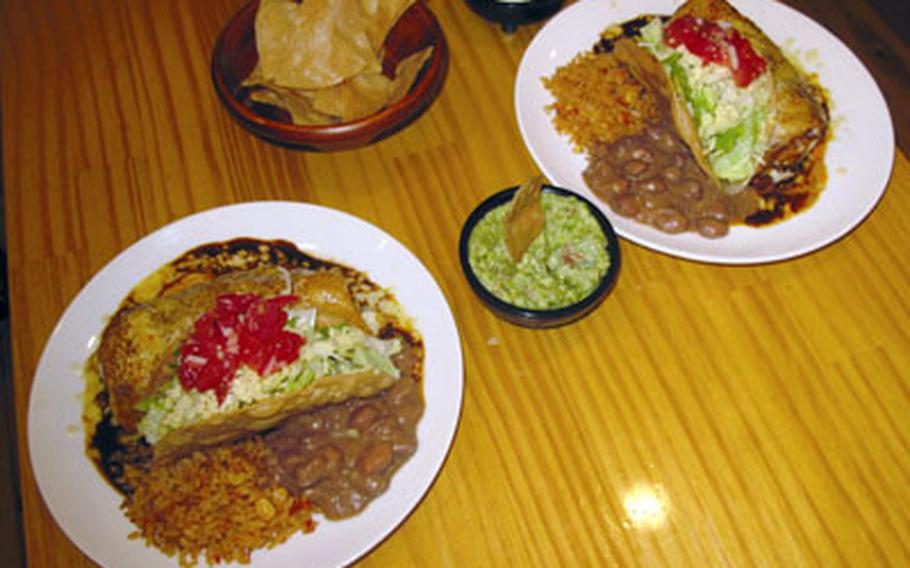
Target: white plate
[87, 508]
[859, 157]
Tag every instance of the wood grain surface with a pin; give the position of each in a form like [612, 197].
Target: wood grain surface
[702, 416]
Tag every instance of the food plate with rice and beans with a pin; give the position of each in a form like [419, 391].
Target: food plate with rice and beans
[732, 133]
[270, 382]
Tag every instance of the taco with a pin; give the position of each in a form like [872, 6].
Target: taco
[227, 354]
[743, 108]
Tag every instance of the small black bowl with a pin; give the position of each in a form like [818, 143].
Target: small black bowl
[540, 318]
[510, 15]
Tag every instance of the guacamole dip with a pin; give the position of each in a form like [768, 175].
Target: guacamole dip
[562, 266]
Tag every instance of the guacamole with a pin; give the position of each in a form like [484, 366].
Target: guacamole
[562, 266]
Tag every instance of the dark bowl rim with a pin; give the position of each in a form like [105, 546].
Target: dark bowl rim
[563, 314]
[386, 121]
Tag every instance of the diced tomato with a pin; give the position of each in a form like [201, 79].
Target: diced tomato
[750, 64]
[714, 43]
[302, 504]
[698, 37]
[242, 329]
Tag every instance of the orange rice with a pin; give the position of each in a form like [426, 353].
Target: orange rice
[220, 504]
[597, 98]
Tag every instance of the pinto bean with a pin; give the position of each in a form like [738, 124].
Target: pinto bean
[409, 414]
[312, 423]
[688, 188]
[645, 216]
[374, 484]
[599, 169]
[621, 151]
[362, 417]
[617, 186]
[672, 174]
[653, 185]
[642, 154]
[311, 472]
[384, 428]
[651, 201]
[716, 210]
[635, 169]
[626, 205]
[401, 390]
[671, 221]
[332, 455]
[335, 417]
[711, 228]
[662, 137]
[654, 133]
[375, 458]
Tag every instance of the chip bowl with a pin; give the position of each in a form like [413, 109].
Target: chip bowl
[530, 317]
[235, 56]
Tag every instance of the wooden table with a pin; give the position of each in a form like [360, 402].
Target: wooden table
[704, 415]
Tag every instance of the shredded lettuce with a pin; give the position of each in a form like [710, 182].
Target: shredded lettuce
[735, 147]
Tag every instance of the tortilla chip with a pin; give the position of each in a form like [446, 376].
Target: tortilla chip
[368, 93]
[328, 292]
[319, 43]
[297, 103]
[525, 218]
[407, 71]
[381, 16]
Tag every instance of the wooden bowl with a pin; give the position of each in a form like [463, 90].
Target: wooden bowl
[235, 56]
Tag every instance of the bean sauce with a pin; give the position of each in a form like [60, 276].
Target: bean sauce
[653, 178]
[342, 456]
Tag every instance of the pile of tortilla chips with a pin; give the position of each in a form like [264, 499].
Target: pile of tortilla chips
[321, 60]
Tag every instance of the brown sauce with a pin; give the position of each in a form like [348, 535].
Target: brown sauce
[653, 178]
[112, 453]
[800, 191]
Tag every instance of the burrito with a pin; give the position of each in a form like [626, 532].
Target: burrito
[238, 353]
[743, 108]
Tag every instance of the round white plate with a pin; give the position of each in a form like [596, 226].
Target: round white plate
[858, 159]
[87, 508]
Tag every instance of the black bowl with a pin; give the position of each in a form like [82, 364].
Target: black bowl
[540, 318]
[510, 15]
